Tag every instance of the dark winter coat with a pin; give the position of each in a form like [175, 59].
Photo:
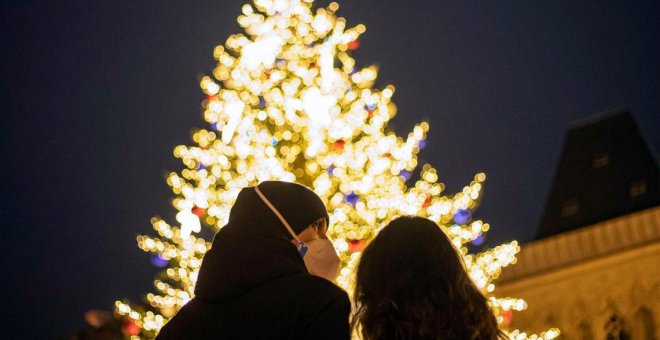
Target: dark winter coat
[253, 283]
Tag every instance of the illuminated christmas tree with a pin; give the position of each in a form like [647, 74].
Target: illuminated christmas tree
[287, 102]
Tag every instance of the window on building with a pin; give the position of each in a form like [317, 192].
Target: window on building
[616, 329]
[570, 208]
[644, 324]
[600, 160]
[637, 188]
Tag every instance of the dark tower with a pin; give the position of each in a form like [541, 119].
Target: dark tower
[606, 170]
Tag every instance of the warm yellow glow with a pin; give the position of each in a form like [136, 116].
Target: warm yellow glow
[286, 102]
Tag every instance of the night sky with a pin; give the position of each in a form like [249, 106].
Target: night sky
[96, 94]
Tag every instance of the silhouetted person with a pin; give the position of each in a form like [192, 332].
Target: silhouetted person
[99, 325]
[256, 282]
[411, 284]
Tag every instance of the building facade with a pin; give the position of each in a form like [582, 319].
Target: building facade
[597, 280]
[594, 269]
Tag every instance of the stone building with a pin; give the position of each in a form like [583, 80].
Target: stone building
[594, 269]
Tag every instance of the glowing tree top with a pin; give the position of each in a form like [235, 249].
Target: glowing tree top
[287, 102]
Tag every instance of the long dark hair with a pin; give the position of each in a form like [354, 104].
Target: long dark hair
[411, 284]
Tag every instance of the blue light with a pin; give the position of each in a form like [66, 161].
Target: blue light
[422, 144]
[262, 102]
[331, 169]
[405, 174]
[479, 240]
[352, 198]
[214, 126]
[158, 261]
[274, 141]
[462, 216]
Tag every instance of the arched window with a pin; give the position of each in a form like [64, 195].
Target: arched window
[616, 329]
[644, 324]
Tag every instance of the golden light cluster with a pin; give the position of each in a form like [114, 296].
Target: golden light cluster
[286, 102]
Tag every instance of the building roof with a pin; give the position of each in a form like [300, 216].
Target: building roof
[606, 170]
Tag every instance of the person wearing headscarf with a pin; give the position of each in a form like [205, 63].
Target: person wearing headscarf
[268, 273]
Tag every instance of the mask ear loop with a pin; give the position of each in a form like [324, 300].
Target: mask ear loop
[302, 248]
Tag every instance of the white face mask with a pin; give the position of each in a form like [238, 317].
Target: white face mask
[319, 255]
[321, 259]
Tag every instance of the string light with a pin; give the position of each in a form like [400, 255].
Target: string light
[286, 102]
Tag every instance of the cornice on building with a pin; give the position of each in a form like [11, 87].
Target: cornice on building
[585, 244]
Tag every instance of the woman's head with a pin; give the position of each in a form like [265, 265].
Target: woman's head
[411, 284]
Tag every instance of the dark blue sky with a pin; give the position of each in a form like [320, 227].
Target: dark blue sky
[95, 95]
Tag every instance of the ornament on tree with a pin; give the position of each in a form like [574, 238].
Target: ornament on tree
[158, 261]
[352, 198]
[199, 212]
[479, 241]
[427, 201]
[370, 110]
[507, 316]
[462, 216]
[356, 245]
[338, 145]
[130, 328]
[353, 45]
[405, 174]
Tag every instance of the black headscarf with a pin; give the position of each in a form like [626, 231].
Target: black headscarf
[254, 246]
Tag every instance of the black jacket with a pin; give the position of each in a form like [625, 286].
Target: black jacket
[253, 283]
